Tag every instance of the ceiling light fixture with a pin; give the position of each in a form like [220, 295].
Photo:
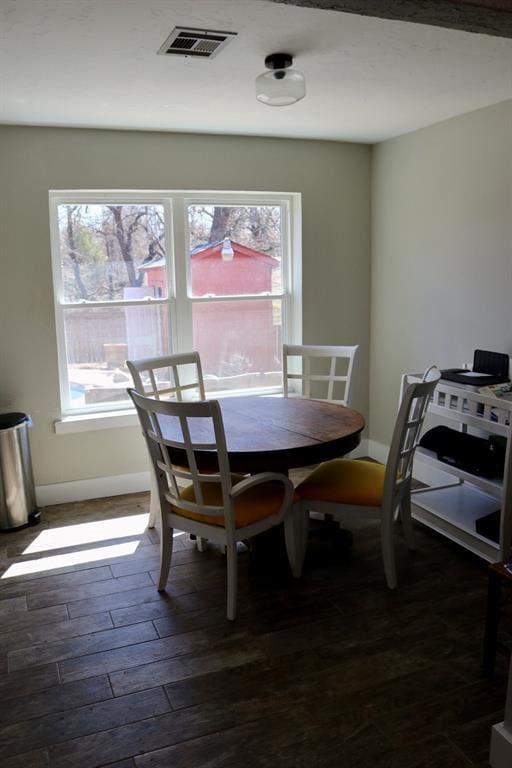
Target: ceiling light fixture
[281, 85]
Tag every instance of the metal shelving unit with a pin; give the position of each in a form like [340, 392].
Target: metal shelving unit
[452, 508]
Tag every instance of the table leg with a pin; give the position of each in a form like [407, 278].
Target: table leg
[329, 530]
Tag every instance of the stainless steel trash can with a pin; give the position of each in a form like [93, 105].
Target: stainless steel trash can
[17, 495]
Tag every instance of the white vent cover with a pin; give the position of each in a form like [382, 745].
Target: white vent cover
[201, 43]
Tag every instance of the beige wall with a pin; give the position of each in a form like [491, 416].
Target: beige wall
[441, 251]
[334, 180]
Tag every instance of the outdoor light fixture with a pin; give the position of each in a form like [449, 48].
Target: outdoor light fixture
[281, 85]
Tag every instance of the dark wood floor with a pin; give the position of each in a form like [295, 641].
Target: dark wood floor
[97, 668]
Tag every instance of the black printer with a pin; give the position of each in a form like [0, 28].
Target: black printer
[489, 368]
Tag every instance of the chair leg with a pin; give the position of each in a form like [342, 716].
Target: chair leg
[201, 544]
[304, 519]
[232, 566]
[295, 539]
[166, 542]
[405, 516]
[154, 499]
[388, 550]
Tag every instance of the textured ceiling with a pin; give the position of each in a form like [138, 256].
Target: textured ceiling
[500, 5]
[93, 63]
[490, 17]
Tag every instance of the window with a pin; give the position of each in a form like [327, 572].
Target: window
[142, 274]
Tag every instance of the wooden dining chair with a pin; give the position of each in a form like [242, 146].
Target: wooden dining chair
[347, 488]
[172, 377]
[218, 506]
[313, 371]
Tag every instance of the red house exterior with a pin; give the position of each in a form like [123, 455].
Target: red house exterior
[238, 341]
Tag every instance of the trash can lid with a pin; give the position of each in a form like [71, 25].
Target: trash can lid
[9, 420]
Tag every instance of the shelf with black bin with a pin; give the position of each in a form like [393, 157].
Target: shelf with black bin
[471, 505]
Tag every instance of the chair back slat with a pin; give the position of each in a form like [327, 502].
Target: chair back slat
[155, 433]
[307, 377]
[154, 386]
[299, 368]
[188, 427]
[332, 378]
[174, 377]
[316, 376]
[406, 433]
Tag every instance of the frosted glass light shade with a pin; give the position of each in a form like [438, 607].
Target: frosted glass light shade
[280, 87]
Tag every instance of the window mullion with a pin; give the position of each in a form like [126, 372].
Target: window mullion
[170, 249]
[238, 297]
[121, 303]
[183, 337]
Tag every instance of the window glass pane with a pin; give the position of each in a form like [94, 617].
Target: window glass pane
[239, 343]
[112, 252]
[235, 250]
[99, 340]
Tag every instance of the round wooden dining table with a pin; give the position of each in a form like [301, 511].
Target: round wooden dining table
[278, 434]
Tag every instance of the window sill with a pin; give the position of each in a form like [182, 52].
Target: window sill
[90, 422]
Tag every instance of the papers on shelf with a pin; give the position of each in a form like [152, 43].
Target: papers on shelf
[499, 391]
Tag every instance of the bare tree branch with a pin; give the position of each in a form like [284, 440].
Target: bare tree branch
[73, 253]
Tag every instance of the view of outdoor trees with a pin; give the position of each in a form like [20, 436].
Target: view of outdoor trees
[102, 247]
[256, 226]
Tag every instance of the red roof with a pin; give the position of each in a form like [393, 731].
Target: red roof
[214, 251]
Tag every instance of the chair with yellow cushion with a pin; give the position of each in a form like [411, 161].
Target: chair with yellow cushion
[218, 506]
[345, 487]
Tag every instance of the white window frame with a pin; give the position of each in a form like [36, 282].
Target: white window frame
[179, 300]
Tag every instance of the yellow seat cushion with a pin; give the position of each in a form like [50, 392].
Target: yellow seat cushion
[345, 481]
[255, 504]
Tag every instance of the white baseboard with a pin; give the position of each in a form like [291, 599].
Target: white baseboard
[378, 451]
[361, 450]
[95, 488]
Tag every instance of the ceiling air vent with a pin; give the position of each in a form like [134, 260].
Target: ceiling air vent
[202, 43]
